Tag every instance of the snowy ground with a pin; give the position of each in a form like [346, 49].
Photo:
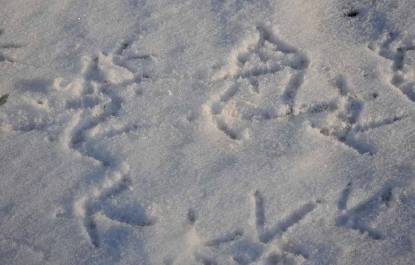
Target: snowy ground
[207, 132]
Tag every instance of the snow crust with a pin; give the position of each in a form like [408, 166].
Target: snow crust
[207, 132]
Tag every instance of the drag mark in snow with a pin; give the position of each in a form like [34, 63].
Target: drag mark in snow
[291, 91]
[227, 238]
[259, 212]
[378, 124]
[293, 219]
[6, 49]
[11, 46]
[105, 76]
[342, 201]
[354, 218]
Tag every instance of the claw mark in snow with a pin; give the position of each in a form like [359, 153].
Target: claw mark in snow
[398, 49]
[354, 218]
[245, 247]
[244, 99]
[348, 114]
[247, 98]
[86, 112]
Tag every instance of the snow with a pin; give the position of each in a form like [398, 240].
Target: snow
[207, 132]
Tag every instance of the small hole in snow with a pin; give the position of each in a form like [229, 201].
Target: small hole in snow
[353, 13]
[191, 216]
[3, 99]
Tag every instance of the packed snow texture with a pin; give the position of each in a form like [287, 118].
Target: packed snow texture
[207, 132]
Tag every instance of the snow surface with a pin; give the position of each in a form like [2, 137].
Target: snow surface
[207, 132]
